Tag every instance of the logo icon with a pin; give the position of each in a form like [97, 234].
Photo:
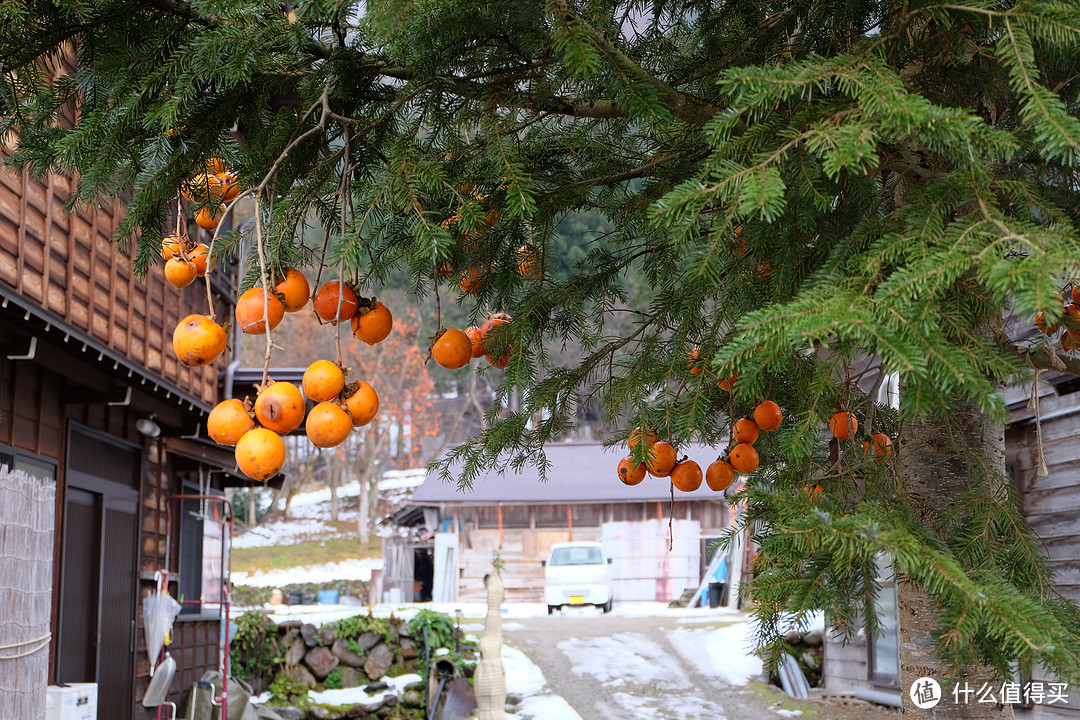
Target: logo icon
[925, 693]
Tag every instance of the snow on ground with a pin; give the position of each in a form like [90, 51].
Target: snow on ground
[525, 679]
[727, 649]
[625, 658]
[344, 570]
[471, 610]
[310, 513]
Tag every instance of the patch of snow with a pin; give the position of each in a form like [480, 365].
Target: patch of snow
[682, 706]
[723, 653]
[401, 683]
[346, 570]
[283, 533]
[789, 713]
[546, 707]
[398, 479]
[512, 626]
[523, 677]
[630, 657]
[350, 696]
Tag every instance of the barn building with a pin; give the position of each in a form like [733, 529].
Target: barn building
[456, 534]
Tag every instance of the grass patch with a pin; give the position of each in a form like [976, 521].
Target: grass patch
[775, 696]
[310, 552]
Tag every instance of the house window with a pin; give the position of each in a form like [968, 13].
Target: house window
[884, 649]
[203, 555]
[33, 465]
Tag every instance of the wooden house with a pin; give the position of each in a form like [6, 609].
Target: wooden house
[456, 533]
[94, 402]
[1049, 504]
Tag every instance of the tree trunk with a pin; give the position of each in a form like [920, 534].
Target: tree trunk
[362, 515]
[939, 461]
[251, 519]
[335, 478]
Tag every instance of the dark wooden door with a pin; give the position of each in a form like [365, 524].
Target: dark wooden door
[99, 571]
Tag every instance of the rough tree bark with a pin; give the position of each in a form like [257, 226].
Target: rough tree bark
[939, 462]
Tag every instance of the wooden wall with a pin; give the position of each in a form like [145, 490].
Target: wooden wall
[1051, 503]
[67, 264]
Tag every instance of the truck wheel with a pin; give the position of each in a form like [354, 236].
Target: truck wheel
[551, 609]
[607, 606]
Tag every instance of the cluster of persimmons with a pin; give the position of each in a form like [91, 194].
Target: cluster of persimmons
[661, 458]
[255, 428]
[1069, 325]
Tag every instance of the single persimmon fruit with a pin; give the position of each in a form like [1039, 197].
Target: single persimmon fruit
[198, 340]
[215, 166]
[280, 407]
[767, 415]
[630, 472]
[208, 218]
[203, 189]
[477, 339]
[719, 475]
[744, 458]
[1075, 293]
[469, 281]
[329, 296]
[637, 436]
[250, 308]
[660, 459]
[372, 324]
[260, 453]
[230, 185]
[323, 380]
[362, 402]
[746, 431]
[327, 425]
[686, 476]
[527, 259]
[179, 272]
[1070, 341]
[728, 382]
[228, 422]
[843, 425]
[294, 290]
[200, 255]
[452, 349]
[882, 445]
[174, 245]
[694, 361]
[1044, 327]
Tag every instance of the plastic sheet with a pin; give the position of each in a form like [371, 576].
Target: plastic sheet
[159, 611]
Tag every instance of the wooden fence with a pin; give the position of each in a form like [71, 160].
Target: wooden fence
[27, 514]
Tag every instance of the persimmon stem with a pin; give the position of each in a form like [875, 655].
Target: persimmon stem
[342, 190]
[210, 250]
[266, 289]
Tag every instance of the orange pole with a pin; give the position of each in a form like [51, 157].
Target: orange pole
[570, 520]
[659, 511]
[499, 511]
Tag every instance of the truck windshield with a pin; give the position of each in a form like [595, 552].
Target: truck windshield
[577, 556]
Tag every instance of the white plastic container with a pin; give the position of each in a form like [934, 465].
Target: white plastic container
[74, 701]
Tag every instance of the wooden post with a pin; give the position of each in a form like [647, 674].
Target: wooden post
[570, 520]
[498, 510]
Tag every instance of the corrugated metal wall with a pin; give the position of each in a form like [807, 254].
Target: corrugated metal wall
[643, 567]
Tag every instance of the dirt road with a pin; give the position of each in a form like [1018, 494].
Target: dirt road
[609, 667]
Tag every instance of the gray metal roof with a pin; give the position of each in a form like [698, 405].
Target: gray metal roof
[579, 472]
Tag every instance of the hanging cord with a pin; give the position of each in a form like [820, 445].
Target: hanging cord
[42, 643]
[1033, 403]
